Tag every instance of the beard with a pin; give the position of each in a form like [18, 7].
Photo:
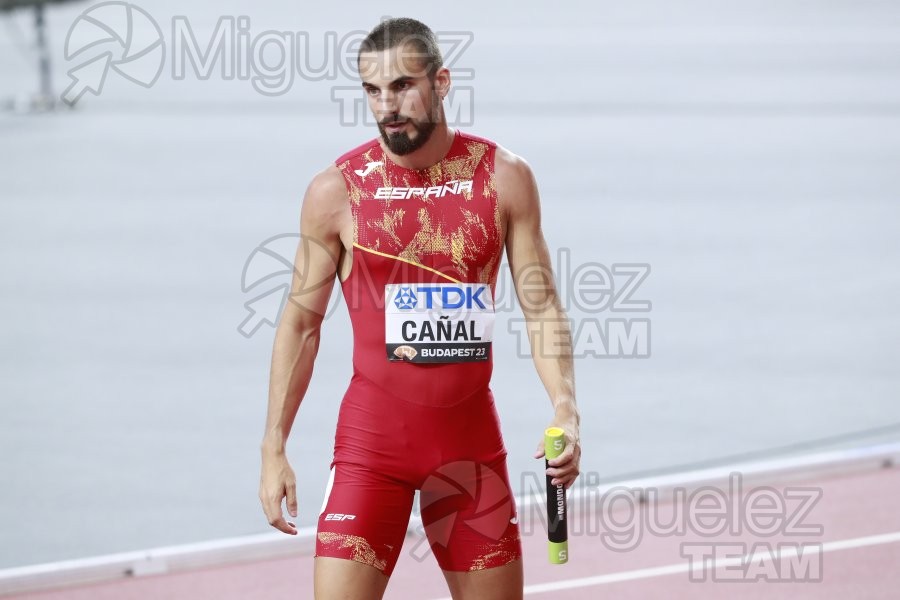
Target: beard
[401, 143]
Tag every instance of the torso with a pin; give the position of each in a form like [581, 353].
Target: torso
[440, 225]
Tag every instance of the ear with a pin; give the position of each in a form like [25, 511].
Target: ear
[442, 82]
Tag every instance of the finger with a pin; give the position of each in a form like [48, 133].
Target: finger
[563, 471]
[563, 458]
[540, 450]
[292, 499]
[565, 467]
[567, 480]
[281, 525]
[272, 508]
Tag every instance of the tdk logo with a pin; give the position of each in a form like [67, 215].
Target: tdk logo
[406, 298]
[448, 296]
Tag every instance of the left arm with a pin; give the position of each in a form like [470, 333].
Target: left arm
[546, 321]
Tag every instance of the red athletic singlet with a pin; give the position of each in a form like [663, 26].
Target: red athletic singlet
[419, 413]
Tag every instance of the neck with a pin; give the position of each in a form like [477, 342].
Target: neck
[433, 152]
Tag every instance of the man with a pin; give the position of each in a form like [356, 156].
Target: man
[414, 224]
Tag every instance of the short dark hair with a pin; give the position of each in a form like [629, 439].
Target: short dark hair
[401, 31]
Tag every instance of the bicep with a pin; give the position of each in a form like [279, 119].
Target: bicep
[526, 248]
[318, 252]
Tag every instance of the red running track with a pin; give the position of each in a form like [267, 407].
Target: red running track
[855, 555]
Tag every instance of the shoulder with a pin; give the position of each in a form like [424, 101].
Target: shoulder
[327, 182]
[328, 189]
[357, 153]
[512, 167]
[476, 139]
[326, 196]
[516, 186]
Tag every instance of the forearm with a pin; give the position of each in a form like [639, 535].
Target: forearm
[551, 348]
[292, 364]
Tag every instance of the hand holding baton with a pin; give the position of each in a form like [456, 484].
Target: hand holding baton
[557, 529]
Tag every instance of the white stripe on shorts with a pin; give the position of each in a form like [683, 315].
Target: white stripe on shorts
[328, 490]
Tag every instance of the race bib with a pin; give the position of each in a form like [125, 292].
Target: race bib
[438, 322]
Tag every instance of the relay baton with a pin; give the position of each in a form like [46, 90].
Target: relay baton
[557, 529]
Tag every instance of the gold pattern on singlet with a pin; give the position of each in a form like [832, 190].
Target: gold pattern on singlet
[444, 226]
[390, 219]
[353, 191]
[496, 554]
[428, 239]
[490, 184]
[463, 167]
[490, 191]
[360, 550]
[463, 242]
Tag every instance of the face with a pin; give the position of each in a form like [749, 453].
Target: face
[405, 101]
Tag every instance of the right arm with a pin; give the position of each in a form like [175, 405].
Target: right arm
[297, 337]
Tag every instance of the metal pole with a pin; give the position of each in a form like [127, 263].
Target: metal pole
[43, 53]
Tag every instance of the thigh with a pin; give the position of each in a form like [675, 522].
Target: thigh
[363, 519]
[341, 579]
[497, 583]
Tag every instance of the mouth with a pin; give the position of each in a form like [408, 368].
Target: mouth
[395, 127]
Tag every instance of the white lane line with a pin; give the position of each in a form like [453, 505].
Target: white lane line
[684, 567]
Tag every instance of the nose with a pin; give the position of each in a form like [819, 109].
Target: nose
[386, 104]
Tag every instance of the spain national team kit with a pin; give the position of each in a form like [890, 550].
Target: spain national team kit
[419, 413]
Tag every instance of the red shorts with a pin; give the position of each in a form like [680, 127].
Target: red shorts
[386, 448]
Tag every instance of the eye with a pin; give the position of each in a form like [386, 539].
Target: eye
[372, 91]
[404, 85]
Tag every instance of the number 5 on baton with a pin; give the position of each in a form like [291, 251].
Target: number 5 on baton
[557, 530]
